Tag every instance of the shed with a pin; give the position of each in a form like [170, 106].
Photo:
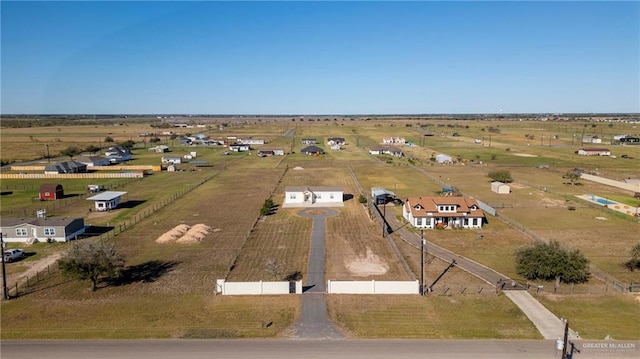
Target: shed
[106, 201]
[381, 195]
[501, 188]
[441, 158]
[51, 191]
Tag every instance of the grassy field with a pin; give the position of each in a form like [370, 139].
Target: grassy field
[170, 293]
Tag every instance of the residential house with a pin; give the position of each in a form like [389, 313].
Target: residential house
[310, 196]
[173, 160]
[592, 139]
[93, 161]
[393, 140]
[593, 152]
[443, 212]
[51, 191]
[107, 200]
[252, 141]
[239, 147]
[630, 140]
[335, 147]
[31, 230]
[312, 150]
[117, 154]
[159, 149]
[386, 150]
[336, 141]
[271, 152]
[65, 167]
[309, 141]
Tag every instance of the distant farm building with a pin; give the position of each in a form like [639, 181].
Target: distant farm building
[336, 141]
[501, 188]
[313, 197]
[393, 140]
[51, 191]
[309, 141]
[106, 201]
[252, 141]
[117, 154]
[594, 152]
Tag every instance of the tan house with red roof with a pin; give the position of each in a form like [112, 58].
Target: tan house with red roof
[443, 212]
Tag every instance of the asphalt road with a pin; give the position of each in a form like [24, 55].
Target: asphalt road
[284, 349]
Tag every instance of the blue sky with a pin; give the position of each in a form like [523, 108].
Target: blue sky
[319, 57]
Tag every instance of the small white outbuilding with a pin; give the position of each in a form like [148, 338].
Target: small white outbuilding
[501, 188]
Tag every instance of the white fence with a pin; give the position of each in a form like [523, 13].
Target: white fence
[257, 288]
[373, 287]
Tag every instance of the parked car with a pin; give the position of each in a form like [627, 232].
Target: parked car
[11, 255]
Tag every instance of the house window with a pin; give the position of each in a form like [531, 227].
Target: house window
[318, 195]
[292, 196]
[49, 231]
[331, 195]
[21, 232]
[418, 221]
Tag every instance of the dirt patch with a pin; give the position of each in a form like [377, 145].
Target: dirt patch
[548, 202]
[367, 266]
[515, 185]
[316, 211]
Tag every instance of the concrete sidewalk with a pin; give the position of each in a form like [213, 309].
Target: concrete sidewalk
[550, 326]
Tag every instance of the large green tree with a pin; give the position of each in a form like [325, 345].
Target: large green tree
[634, 260]
[503, 176]
[551, 261]
[92, 261]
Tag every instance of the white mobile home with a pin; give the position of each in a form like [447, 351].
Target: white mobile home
[313, 197]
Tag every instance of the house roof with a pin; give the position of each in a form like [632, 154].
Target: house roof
[379, 191]
[312, 149]
[67, 166]
[312, 189]
[36, 221]
[106, 196]
[50, 187]
[430, 205]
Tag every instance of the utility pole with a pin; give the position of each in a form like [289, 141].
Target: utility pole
[565, 339]
[384, 219]
[422, 249]
[48, 156]
[5, 291]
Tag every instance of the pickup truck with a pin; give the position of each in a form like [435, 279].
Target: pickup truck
[11, 255]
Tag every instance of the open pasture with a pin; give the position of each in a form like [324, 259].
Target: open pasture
[171, 290]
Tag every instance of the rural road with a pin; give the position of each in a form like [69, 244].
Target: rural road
[285, 349]
[314, 323]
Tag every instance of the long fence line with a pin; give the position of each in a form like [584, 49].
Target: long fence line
[383, 222]
[134, 174]
[53, 205]
[25, 285]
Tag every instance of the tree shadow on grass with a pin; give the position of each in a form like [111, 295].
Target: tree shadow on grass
[147, 272]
